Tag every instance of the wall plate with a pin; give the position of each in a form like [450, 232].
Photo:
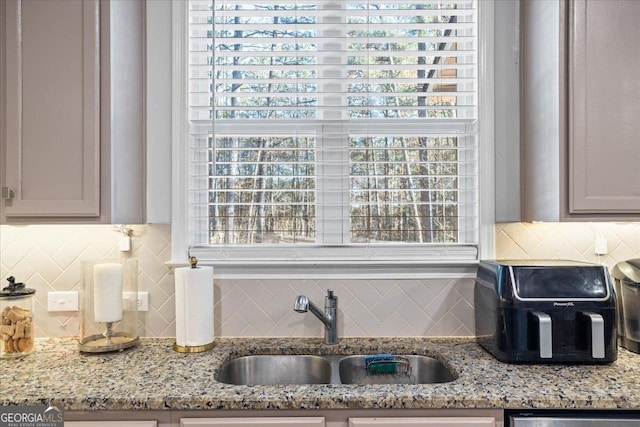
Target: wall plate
[62, 301]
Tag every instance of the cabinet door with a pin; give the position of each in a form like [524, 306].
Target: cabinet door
[52, 108]
[423, 422]
[111, 423]
[604, 107]
[253, 422]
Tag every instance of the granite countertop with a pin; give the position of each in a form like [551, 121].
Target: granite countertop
[152, 376]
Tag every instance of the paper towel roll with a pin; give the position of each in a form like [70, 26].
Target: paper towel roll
[107, 292]
[194, 306]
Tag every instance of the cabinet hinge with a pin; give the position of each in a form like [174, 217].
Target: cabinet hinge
[8, 193]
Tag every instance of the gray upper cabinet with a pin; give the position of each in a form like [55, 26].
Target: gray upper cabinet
[580, 116]
[72, 111]
[604, 107]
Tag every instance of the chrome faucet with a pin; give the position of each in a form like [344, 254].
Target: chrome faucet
[329, 318]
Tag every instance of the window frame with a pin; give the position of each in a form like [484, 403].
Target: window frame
[323, 261]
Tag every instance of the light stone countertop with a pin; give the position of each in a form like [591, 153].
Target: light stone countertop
[152, 376]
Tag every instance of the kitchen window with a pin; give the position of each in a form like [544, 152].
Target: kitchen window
[332, 133]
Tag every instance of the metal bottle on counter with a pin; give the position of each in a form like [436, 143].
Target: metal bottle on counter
[16, 320]
[627, 287]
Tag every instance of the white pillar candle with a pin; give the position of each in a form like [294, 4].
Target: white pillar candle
[107, 292]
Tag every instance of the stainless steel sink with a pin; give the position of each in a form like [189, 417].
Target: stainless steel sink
[327, 369]
[267, 370]
[421, 370]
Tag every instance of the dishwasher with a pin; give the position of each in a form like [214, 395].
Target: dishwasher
[585, 418]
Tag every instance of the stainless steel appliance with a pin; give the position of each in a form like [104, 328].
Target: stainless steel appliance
[545, 311]
[626, 276]
[573, 419]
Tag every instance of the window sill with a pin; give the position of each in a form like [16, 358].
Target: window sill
[321, 262]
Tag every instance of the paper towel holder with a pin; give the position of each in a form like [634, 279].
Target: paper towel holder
[193, 261]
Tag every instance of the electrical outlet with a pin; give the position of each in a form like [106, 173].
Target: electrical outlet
[142, 301]
[62, 301]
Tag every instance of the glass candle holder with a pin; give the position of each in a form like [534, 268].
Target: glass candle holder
[109, 309]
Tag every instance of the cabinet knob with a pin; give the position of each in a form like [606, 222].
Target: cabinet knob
[8, 193]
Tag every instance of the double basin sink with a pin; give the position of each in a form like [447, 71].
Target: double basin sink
[331, 369]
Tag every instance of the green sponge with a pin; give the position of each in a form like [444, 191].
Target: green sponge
[382, 368]
[377, 357]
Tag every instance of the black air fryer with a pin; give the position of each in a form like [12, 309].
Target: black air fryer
[545, 311]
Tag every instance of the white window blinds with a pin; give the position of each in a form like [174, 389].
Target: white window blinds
[333, 122]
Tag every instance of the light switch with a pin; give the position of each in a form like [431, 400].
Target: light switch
[62, 301]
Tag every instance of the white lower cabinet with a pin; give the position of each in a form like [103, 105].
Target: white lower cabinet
[149, 423]
[253, 422]
[423, 422]
[353, 422]
[293, 418]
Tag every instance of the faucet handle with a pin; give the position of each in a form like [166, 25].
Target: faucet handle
[330, 301]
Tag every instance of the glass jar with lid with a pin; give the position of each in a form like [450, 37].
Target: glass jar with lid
[16, 320]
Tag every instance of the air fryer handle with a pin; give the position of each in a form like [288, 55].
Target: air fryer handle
[597, 334]
[545, 336]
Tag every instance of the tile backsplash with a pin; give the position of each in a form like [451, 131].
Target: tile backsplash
[47, 258]
[572, 241]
